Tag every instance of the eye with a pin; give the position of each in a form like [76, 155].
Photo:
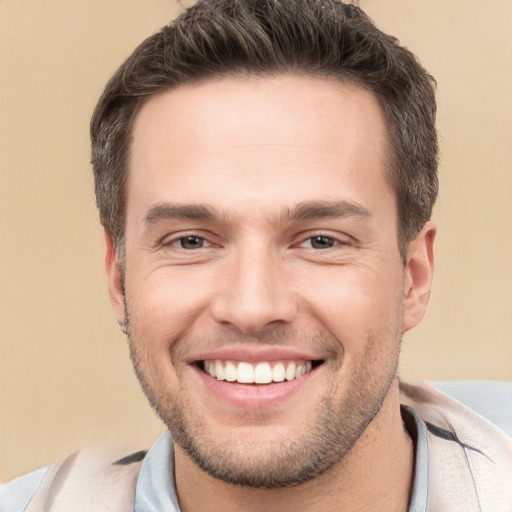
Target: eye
[321, 242]
[191, 242]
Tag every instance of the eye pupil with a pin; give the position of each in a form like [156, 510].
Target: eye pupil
[322, 242]
[191, 242]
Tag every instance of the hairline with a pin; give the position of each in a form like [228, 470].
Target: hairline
[391, 161]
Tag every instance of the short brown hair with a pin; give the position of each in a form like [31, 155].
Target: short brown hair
[323, 38]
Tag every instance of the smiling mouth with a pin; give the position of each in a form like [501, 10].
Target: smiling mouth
[243, 372]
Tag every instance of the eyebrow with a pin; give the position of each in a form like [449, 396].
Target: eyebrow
[312, 210]
[309, 210]
[169, 211]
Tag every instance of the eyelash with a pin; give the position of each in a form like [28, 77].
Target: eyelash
[331, 242]
[178, 242]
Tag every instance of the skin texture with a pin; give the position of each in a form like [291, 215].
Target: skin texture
[255, 170]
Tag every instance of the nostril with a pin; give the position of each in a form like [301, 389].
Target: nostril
[256, 296]
[253, 318]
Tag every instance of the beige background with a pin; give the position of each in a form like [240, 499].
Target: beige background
[65, 377]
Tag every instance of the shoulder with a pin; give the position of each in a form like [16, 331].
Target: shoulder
[469, 444]
[17, 494]
[492, 399]
[95, 478]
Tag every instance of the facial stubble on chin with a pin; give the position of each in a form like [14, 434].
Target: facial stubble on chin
[285, 462]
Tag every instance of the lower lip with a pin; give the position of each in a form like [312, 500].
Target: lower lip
[253, 396]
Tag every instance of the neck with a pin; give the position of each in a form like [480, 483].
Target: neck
[375, 475]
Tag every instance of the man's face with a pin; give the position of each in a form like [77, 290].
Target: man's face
[261, 244]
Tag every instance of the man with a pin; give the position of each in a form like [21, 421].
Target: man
[265, 175]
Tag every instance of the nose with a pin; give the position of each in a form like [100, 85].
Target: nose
[254, 292]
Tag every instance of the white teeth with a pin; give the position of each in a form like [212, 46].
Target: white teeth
[261, 373]
[230, 371]
[278, 372]
[245, 373]
[219, 371]
[290, 372]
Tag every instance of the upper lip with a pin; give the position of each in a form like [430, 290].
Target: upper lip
[254, 354]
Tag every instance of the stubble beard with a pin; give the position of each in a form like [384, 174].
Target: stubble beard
[285, 462]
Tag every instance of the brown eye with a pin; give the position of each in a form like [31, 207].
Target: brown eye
[322, 242]
[191, 242]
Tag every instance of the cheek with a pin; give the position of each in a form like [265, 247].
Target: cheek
[164, 305]
[355, 303]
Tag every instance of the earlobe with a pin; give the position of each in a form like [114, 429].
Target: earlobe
[114, 278]
[418, 275]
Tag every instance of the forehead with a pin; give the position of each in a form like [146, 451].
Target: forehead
[271, 140]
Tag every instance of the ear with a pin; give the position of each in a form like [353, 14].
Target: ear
[114, 280]
[418, 275]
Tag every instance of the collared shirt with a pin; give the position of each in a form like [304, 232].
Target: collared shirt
[155, 489]
[156, 492]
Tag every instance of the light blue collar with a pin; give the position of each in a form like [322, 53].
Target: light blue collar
[156, 491]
